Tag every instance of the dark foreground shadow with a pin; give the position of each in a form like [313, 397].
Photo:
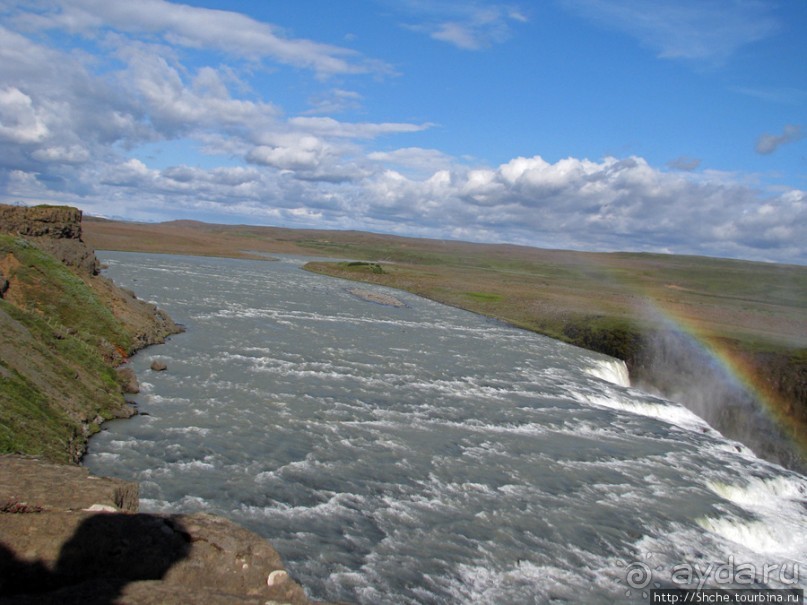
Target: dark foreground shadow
[106, 552]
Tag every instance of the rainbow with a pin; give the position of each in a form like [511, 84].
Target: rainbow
[735, 367]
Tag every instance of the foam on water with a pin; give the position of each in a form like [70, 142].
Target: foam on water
[757, 536]
[765, 492]
[611, 370]
[422, 454]
[667, 411]
[776, 507]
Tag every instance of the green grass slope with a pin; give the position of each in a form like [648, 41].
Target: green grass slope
[58, 341]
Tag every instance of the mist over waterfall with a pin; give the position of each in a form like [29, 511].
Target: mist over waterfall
[678, 367]
[419, 454]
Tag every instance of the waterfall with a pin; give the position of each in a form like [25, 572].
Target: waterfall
[611, 370]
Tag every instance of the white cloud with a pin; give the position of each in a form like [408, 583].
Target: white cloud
[196, 27]
[468, 25]
[70, 115]
[460, 35]
[301, 155]
[768, 143]
[74, 154]
[131, 173]
[414, 161]
[66, 105]
[336, 100]
[175, 106]
[231, 177]
[684, 163]
[304, 154]
[334, 128]
[20, 121]
[710, 30]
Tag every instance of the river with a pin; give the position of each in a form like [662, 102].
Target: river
[423, 454]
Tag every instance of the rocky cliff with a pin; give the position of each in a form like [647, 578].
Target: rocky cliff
[56, 229]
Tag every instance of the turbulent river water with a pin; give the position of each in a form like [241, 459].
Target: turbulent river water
[422, 454]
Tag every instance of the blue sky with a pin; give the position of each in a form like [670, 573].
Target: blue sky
[669, 126]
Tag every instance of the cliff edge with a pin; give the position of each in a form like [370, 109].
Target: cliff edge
[56, 229]
[64, 330]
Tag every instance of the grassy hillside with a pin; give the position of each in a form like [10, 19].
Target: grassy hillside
[63, 330]
[56, 379]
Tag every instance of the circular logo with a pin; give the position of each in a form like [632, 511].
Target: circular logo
[638, 575]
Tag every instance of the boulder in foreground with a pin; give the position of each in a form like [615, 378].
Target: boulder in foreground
[69, 537]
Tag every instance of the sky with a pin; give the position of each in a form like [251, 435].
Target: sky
[676, 126]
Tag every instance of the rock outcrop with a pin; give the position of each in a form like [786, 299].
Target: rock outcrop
[69, 537]
[57, 230]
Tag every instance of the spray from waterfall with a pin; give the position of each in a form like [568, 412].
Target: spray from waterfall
[699, 371]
